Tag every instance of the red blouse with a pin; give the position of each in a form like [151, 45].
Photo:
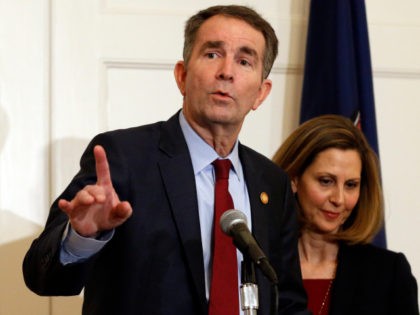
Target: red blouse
[319, 292]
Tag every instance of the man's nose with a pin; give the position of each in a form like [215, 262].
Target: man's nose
[225, 71]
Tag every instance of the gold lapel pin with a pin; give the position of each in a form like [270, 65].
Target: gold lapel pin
[264, 197]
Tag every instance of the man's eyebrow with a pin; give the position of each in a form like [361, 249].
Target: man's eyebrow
[219, 44]
[249, 51]
[212, 44]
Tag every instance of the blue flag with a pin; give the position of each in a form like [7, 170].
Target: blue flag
[338, 70]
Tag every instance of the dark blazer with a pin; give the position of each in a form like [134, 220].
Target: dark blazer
[373, 281]
[154, 262]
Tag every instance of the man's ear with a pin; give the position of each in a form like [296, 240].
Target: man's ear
[265, 89]
[180, 73]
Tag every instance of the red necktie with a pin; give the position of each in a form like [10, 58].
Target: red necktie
[224, 279]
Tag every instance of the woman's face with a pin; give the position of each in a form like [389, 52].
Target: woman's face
[329, 189]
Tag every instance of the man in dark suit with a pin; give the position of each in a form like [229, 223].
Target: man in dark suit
[133, 228]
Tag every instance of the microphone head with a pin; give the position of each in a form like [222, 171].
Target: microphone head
[230, 218]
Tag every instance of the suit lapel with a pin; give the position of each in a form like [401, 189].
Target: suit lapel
[178, 177]
[256, 186]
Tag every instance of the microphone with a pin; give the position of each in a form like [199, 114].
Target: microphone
[234, 223]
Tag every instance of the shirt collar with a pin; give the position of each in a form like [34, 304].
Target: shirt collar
[203, 154]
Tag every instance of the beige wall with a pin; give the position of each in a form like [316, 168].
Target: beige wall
[70, 69]
[395, 46]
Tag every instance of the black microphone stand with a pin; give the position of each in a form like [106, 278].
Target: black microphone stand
[249, 288]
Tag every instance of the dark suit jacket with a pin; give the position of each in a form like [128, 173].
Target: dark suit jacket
[154, 262]
[373, 281]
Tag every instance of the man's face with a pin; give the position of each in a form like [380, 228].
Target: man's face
[223, 79]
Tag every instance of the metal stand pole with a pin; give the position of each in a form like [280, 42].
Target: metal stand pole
[249, 288]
